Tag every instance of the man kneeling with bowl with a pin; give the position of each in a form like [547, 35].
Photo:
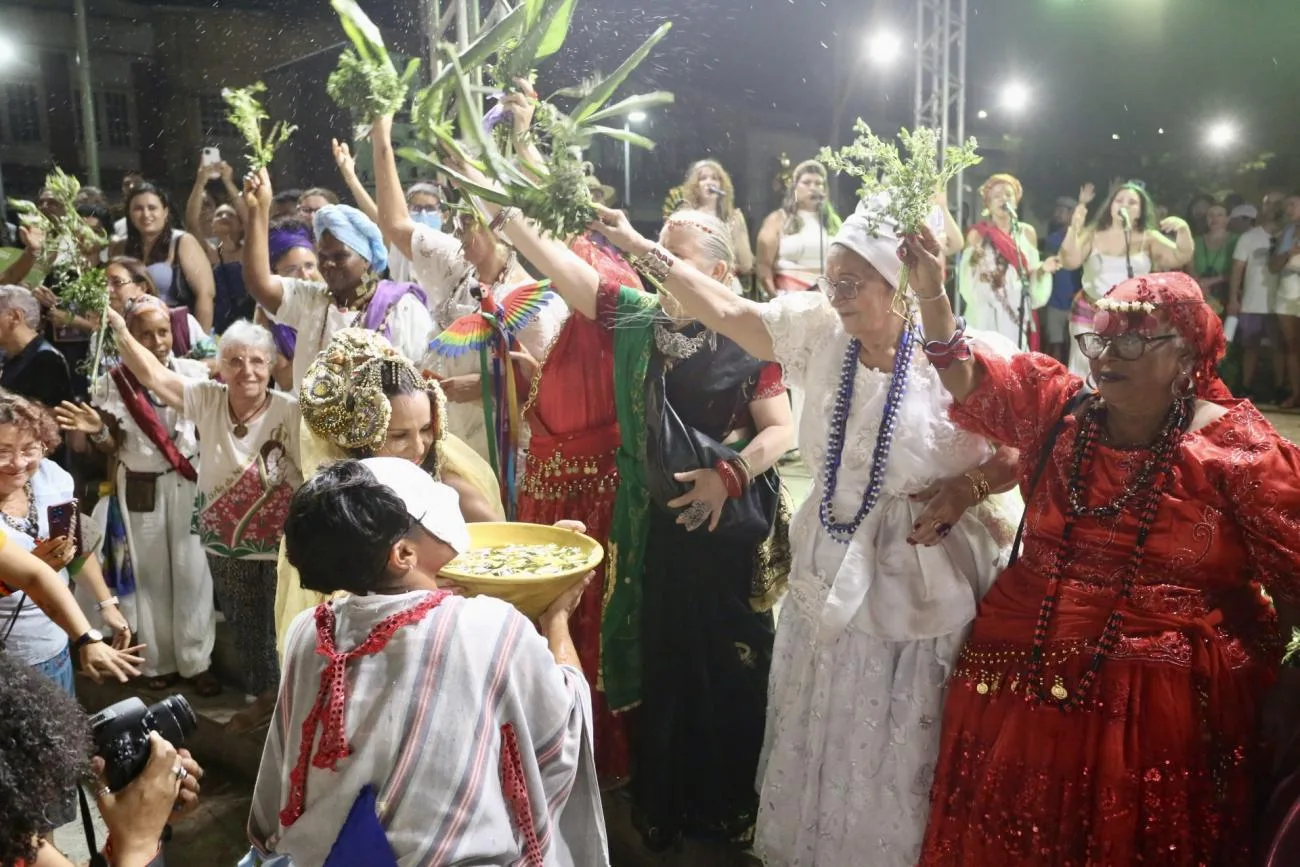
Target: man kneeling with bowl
[447, 726]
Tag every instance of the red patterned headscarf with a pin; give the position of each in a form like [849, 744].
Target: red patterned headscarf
[1136, 304]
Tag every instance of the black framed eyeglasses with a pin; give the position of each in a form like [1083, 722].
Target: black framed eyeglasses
[1129, 346]
[846, 289]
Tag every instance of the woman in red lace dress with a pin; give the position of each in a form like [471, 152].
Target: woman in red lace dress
[570, 472]
[1107, 707]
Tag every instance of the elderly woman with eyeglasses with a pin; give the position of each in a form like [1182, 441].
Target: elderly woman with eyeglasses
[248, 469]
[891, 552]
[1106, 708]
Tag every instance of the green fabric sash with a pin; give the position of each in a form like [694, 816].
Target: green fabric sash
[620, 652]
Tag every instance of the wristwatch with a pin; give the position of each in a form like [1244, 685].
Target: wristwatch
[90, 637]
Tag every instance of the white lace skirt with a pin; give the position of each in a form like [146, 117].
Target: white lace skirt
[851, 741]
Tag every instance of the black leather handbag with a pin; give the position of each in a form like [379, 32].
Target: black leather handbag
[672, 447]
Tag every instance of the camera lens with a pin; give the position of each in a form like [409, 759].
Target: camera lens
[173, 718]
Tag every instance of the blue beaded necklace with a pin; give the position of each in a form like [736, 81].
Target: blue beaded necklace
[840, 532]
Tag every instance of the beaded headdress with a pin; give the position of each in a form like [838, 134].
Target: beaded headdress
[1139, 303]
[342, 395]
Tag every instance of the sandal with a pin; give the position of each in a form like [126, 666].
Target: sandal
[161, 682]
[254, 716]
[206, 684]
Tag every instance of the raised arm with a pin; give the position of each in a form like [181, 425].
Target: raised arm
[769, 250]
[1078, 241]
[266, 288]
[740, 243]
[348, 169]
[1176, 254]
[198, 273]
[167, 384]
[924, 259]
[194, 208]
[953, 242]
[703, 297]
[394, 217]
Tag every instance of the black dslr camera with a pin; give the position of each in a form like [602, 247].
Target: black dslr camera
[121, 734]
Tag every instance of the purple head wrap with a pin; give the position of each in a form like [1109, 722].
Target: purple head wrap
[284, 239]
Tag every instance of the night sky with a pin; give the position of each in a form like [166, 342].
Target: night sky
[1097, 68]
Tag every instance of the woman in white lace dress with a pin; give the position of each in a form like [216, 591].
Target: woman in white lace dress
[888, 566]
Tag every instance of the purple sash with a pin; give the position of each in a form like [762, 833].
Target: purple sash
[387, 294]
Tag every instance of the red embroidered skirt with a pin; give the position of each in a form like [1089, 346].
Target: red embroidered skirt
[574, 477]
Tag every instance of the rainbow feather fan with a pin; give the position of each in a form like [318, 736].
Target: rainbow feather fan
[472, 331]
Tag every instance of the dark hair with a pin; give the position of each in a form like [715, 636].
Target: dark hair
[288, 197]
[44, 751]
[341, 526]
[1146, 220]
[134, 246]
[91, 196]
[95, 211]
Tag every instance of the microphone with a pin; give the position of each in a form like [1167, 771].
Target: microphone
[1125, 219]
[714, 190]
[1010, 209]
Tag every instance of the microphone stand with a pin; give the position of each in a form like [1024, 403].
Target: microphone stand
[1128, 242]
[1022, 270]
[821, 235]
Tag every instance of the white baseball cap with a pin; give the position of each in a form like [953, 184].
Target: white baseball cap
[435, 506]
[1249, 212]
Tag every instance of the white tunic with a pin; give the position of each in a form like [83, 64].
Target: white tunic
[871, 629]
[1101, 273]
[171, 612]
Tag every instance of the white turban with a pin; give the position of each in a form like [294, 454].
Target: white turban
[879, 246]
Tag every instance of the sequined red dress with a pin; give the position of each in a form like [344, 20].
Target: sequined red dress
[570, 474]
[1158, 766]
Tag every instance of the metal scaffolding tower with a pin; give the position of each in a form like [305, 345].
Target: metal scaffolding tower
[941, 75]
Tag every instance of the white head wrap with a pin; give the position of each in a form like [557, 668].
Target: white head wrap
[879, 246]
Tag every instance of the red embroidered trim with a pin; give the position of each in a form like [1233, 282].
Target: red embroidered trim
[515, 787]
[329, 711]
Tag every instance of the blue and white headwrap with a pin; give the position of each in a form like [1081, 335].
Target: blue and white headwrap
[353, 228]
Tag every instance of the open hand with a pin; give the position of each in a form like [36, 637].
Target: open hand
[78, 417]
[117, 624]
[1087, 193]
[33, 238]
[99, 660]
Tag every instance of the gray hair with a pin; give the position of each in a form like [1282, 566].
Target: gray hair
[21, 299]
[243, 334]
[713, 234]
[425, 188]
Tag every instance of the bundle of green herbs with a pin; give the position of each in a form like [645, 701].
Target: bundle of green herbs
[246, 114]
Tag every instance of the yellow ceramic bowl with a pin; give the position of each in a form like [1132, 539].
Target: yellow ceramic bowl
[531, 594]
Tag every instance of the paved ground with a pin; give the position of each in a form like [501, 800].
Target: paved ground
[215, 835]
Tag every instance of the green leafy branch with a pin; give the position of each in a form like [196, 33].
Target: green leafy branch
[247, 115]
[554, 192]
[366, 82]
[67, 238]
[904, 178]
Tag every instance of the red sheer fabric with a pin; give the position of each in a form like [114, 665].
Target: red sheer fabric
[1158, 767]
[515, 786]
[570, 474]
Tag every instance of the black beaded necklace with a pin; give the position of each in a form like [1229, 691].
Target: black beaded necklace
[1146, 487]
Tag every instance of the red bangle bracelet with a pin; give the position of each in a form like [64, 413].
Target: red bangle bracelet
[730, 479]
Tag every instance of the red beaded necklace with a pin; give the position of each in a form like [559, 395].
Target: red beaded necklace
[1146, 486]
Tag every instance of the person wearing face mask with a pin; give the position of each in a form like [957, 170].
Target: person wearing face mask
[452, 268]
[360, 399]
[247, 472]
[423, 203]
[351, 256]
[1124, 241]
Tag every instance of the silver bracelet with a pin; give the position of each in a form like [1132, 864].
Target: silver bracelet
[101, 436]
[112, 600]
[505, 215]
[655, 263]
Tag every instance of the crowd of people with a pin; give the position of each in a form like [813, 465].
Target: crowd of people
[1033, 606]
